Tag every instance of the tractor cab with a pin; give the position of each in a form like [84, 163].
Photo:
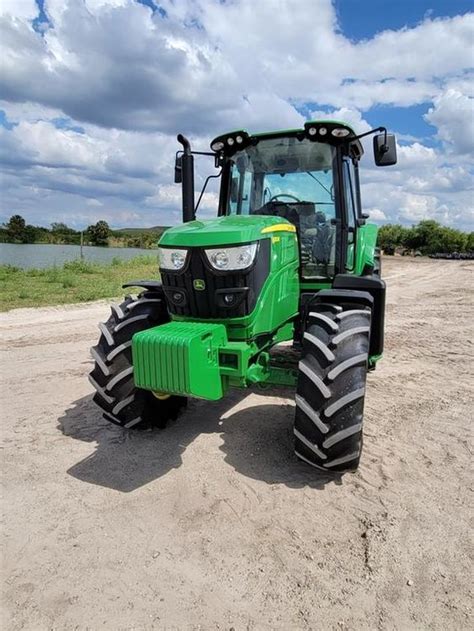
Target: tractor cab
[308, 177]
[292, 177]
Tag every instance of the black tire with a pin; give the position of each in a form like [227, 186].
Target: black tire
[331, 387]
[112, 376]
[377, 263]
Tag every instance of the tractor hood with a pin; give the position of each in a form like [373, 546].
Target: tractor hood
[224, 231]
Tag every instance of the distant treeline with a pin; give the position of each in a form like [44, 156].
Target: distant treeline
[16, 230]
[426, 237]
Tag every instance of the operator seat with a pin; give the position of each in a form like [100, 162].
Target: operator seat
[287, 210]
[323, 240]
[315, 233]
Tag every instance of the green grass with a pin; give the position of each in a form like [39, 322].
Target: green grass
[76, 281]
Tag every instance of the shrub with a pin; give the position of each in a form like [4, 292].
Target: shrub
[81, 267]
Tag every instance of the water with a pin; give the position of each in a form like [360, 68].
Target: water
[41, 255]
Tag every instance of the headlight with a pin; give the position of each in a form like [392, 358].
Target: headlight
[225, 259]
[171, 259]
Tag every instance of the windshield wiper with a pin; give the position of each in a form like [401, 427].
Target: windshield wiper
[320, 183]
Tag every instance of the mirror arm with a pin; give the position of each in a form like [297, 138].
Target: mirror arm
[371, 131]
[203, 153]
[384, 148]
[196, 153]
[374, 131]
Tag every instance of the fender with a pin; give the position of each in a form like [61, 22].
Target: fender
[149, 285]
[367, 291]
[375, 287]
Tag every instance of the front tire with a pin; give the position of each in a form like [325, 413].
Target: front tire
[331, 387]
[112, 376]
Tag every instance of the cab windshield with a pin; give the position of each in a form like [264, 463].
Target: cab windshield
[290, 178]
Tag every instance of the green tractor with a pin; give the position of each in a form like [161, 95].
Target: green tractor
[290, 257]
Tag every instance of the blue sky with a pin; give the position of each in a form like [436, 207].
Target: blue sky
[93, 92]
[362, 19]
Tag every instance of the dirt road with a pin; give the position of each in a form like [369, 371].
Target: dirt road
[213, 523]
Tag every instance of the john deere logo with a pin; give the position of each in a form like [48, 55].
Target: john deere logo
[199, 284]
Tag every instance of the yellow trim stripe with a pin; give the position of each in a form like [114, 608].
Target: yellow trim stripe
[279, 227]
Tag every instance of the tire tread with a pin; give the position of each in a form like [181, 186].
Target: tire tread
[112, 375]
[331, 387]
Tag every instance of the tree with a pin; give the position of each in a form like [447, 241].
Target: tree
[99, 233]
[61, 233]
[425, 236]
[16, 228]
[428, 236]
[392, 236]
[29, 234]
[470, 242]
[61, 228]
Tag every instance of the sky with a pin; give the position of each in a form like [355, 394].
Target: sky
[93, 93]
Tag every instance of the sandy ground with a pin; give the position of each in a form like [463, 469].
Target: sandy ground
[213, 523]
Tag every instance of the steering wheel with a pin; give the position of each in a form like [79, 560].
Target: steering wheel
[275, 198]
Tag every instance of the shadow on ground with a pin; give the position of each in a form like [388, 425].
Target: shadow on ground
[257, 443]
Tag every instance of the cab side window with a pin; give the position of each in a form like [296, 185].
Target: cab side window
[351, 209]
[239, 202]
[349, 188]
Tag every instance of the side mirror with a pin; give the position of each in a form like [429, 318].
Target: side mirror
[234, 190]
[178, 170]
[385, 150]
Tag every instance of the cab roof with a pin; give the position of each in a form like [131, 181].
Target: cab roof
[323, 130]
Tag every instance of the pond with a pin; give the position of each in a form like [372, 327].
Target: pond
[41, 255]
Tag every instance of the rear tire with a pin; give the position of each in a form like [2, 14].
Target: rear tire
[331, 387]
[112, 376]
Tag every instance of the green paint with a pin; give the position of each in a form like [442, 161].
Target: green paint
[278, 301]
[366, 241]
[180, 358]
[373, 359]
[232, 230]
[314, 286]
[203, 358]
[196, 359]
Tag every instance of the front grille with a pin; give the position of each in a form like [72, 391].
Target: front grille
[209, 302]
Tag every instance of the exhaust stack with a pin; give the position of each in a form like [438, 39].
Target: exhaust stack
[187, 179]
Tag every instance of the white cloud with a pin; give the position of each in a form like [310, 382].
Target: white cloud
[195, 70]
[433, 48]
[415, 156]
[19, 9]
[453, 115]
[94, 203]
[423, 185]
[131, 79]
[376, 214]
